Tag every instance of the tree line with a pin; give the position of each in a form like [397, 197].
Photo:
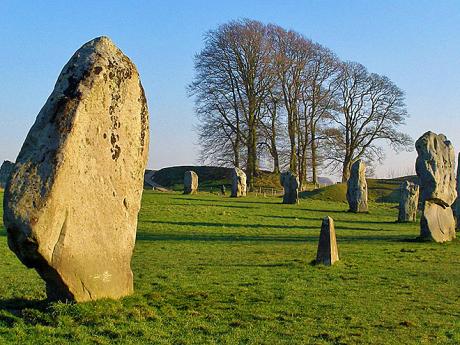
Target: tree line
[265, 95]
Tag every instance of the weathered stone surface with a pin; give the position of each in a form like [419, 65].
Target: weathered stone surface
[357, 188]
[456, 206]
[435, 168]
[238, 183]
[437, 223]
[408, 202]
[327, 253]
[5, 172]
[71, 205]
[290, 183]
[190, 182]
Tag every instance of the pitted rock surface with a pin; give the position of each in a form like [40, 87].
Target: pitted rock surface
[408, 202]
[435, 168]
[357, 188]
[72, 202]
[290, 183]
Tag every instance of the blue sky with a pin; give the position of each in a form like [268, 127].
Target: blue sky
[415, 43]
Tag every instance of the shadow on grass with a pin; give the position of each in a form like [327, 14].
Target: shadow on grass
[143, 236]
[320, 210]
[213, 237]
[336, 221]
[261, 226]
[24, 310]
[232, 200]
[212, 205]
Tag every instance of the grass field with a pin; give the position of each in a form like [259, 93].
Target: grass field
[214, 270]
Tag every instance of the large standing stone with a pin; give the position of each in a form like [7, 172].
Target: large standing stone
[190, 182]
[456, 206]
[435, 168]
[290, 183]
[357, 188]
[408, 202]
[72, 202]
[327, 253]
[238, 183]
[5, 172]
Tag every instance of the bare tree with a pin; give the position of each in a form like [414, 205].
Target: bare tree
[370, 109]
[319, 94]
[271, 127]
[216, 91]
[290, 55]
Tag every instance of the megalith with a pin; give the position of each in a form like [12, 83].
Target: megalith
[408, 202]
[435, 168]
[290, 183]
[5, 172]
[327, 253]
[238, 183]
[357, 188]
[190, 182]
[71, 205]
[456, 206]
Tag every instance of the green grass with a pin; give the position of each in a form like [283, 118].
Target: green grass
[216, 270]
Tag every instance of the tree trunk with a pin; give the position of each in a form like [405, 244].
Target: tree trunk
[346, 169]
[314, 162]
[252, 156]
[274, 150]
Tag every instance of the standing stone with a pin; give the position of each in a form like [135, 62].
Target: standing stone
[327, 253]
[238, 183]
[72, 202]
[290, 183]
[190, 182]
[456, 206]
[5, 172]
[222, 189]
[357, 188]
[435, 168]
[408, 202]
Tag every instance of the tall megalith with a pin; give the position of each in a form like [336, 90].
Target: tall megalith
[190, 182]
[290, 183]
[238, 183]
[71, 204]
[357, 188]
[456, 206]
[435, 168]
[408, 202]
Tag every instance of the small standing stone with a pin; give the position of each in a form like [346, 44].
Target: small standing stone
[5, 172]
[328, 252]
[290, 183]
[222, 189]
[435, 168]
[357, 188]
[238, 183]
[190, 182]
[408, 202]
